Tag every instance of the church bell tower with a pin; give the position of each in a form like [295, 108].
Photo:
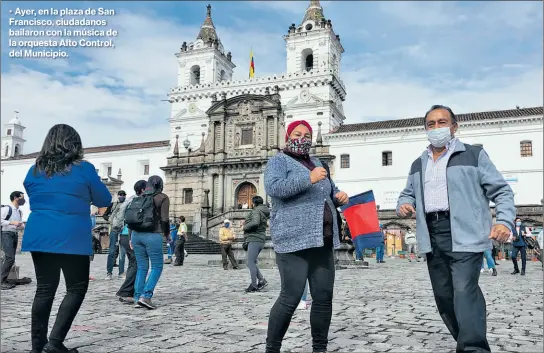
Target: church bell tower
[12, 138]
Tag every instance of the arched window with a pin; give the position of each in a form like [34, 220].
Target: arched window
[307, 59]
[222, 75]
[6, 151]
[16, 151]
[195, 75]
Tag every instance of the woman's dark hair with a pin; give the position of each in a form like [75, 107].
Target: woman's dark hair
[182, 219]
[140, 186]
[62, 148]
[515, 220]
[257, 200]
[155, 184]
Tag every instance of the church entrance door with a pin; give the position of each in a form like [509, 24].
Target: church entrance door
[246, 191]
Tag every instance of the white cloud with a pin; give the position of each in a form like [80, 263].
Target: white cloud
[118, 98]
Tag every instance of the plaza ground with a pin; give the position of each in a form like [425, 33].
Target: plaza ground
[386, 308]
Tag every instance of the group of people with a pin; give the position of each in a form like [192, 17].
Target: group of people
[448, 192]
[61, 180]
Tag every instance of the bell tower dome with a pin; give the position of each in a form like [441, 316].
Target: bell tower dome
[12, 138]
[313, 45]
[204, 60]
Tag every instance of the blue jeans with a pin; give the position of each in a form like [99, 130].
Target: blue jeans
[379, 253]
[489, 259]
[147, 247]
[305, 294]
[114, 240]
[172, 245]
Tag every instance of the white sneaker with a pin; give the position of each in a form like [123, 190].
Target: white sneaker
[108, 277]
[302, 305]
[122, 276]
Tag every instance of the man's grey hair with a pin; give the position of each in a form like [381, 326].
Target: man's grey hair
[439, 106]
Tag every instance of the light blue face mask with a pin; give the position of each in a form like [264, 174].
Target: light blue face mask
[518, 223]
[227, 225]
[439, 137]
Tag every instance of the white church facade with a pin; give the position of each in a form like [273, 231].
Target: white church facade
[365, 156]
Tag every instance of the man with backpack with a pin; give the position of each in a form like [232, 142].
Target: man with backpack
[12, 222]
[126, 292]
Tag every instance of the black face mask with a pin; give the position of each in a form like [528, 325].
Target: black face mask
[21, 202]
[121, 198]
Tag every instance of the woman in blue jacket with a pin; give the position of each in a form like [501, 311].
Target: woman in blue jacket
[60, 186]
[519, 246]
[304, 230]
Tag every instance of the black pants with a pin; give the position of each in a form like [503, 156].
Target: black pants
[317, 266]
[179, 250]
[9, 247]
[515, 251]
[454, 278]
[226, 251]
[48, 267]
[127, 288]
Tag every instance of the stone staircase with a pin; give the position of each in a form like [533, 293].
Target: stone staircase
[199, 245]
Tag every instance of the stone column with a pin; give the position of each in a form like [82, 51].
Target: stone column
[276, 134]
[204, 214]
[223, 137]
[265, 132]
[221, 192]
[212, 136]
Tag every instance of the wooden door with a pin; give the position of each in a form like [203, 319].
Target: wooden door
[246, 191]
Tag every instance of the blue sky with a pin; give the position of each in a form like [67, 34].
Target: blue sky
[400, 58]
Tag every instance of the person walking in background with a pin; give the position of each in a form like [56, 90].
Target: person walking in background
[174, 224]
[490, 263]
[117, 224]
[148, 216]
[519, 246]
[60, 186]
[226, 237]
[449, 188]
[12, 223]
[380, 250]
[126, 291]
[180, 242]
[255, 226]
[411, 244]
[304, 231]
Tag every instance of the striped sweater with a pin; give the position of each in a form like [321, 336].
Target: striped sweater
[296, 220]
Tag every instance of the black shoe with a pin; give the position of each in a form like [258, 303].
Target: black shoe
[497, 263]
[115, 265]
[494, 272]
[523, 272]
[262, 284]
[177, 264]
[515, 272]
[225, 268]
[49, 348]
[252, 289]
[236, 268]
[7, 286]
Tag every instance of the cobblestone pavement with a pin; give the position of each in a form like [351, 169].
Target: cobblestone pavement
[386, 308]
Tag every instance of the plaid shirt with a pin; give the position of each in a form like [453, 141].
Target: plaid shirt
[436, 187]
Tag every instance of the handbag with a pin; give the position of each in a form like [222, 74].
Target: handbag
[339, 220]
[245, 245]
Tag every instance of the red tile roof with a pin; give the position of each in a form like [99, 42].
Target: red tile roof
[411, 122]
[110, 148]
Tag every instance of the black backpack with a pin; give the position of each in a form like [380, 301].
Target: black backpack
[140, 214]
[10, 212]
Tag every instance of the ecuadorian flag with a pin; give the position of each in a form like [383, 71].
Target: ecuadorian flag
[362, 218]
[251, 65]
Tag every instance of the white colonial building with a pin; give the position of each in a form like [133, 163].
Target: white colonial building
[311, 88]
[374, 155]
